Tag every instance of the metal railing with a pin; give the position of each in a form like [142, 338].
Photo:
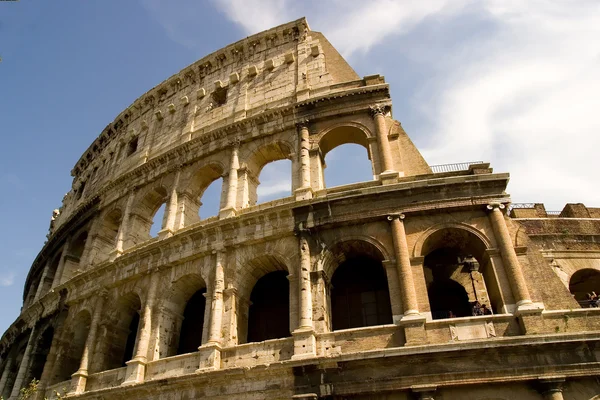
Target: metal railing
[464, 166]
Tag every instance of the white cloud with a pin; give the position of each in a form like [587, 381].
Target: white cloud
[270, 189]
[255, 16]
[7, 279]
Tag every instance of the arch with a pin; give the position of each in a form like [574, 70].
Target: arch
[77, 246]
[41, 348]
[120, 332]
[455, 254]
[74, 346]
[198, 183]
[268, 317]
[108, 232]
[141, 218]
[14, 357]
[343, 133]
[352, 246]
[251, 273]
[184, 314]
[252, 166]
[420, 250]
[359, 293]
[584, 283]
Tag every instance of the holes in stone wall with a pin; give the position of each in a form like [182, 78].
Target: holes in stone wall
[192, 326]
[157, 220]
[211, 200]
[583, 284]
[275, 181]
[269, 315]
[347, 163]
[132, 146]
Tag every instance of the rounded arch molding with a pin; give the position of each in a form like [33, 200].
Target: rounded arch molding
[418, 247]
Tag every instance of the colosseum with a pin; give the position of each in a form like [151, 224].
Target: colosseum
[425, 282]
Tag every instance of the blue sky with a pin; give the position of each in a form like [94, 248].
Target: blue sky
[507, 81]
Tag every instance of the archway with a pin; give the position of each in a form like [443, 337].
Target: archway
[39, 355]
[192, 326]
[74, 346]
[147, 217]
[582, 284]
[457, 274]
[269, 314]
[346, 157]
[359, 294]
[106, 239]
[275, 181]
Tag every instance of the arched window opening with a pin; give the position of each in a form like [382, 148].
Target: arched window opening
[193, 323]
[106, 240]
[584, 285]
[74, 257]
[77, 247]
[210, 200]
[457, 274]
[131, 336]
[71, 354]
[359, 294]
[275, 181]
[39, 355]
[120, 333]
[183, 315]
[157, 221]
[346, 164]
[14, 358]
[269, 315]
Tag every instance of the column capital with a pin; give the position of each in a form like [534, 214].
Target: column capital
[492, 206]
[392, 217]
[378, 109]
[302, 123]
[234, 143]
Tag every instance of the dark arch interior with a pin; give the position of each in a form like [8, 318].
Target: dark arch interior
[269, 316]
[72, 357]
[447, 298]
[39, 355]
[190, 337]
[76, 249]
[585, 282]
[17, 352]
[131, 335]
[360, 295]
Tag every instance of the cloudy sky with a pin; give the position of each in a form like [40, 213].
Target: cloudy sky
[512, 82]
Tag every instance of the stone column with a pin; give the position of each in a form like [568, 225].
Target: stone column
[80, 377]
[61, 264]
[551, 388]
[210, 353]
[41, 285]
[424, 392]
[387, 162]
[232, 184]
[136, 368]
[407, 286]
[304, 191]
[124, 227]
[304, 335]
[7, 367]
[24, 367]
[509, 256]
[172, 207]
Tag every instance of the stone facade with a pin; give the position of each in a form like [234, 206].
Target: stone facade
[363, 291]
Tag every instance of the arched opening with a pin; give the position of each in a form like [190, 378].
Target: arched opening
[269, 314]
[275, 181]
[106, 240]
[183, 317]
[39, 355]
[583, 284]
[120, 332]
[193, 323]
[158, 220]
[346, 164]
[346, 157]
[77, 246]
[14, 358]
[73, 259]
[73, 350]
[210, 200]
[272, 162]
[457, 272]
[359, 293]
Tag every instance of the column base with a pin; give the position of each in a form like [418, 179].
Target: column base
[78, 381]
[389, 177]
[414, 329]
[304, 193]
[165, 233]
[305, 343]
[227, 212]
[136, 370]
[210, 357]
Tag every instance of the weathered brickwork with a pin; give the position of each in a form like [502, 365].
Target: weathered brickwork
[418, 284]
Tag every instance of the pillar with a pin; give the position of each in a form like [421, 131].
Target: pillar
[304, 335]
[136, 368]
[61, 264]
[509, 256]
[385, 151]
[7, 367]
[304, 191]
[41, 285]
[551, 388]
[24, 364]
[172, 207]
[232, 183]
[80, 377]
[407, 286]
[123, 229]
[210, 353]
